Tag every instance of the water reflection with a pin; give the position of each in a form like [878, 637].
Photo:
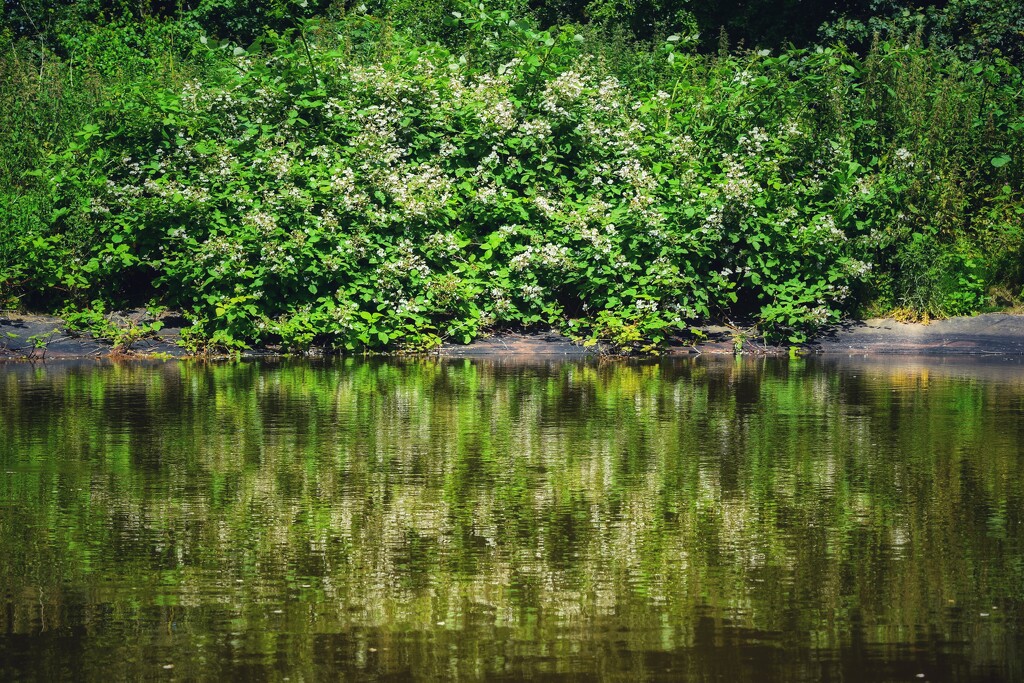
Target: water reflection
[713, 519]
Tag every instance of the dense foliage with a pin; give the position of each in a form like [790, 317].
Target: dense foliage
[355, 180]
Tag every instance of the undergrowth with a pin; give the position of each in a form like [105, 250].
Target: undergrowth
[352, 184]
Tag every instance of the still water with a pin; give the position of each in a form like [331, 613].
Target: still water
[699, 519]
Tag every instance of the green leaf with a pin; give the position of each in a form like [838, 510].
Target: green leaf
[1001, 160]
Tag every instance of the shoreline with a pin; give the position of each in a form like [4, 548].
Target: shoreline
[28, 337]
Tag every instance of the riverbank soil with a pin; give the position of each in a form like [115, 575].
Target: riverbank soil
[24, 336]
[990, 333]
[37, 337]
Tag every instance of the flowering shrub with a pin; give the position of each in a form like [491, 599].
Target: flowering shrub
[307, 193]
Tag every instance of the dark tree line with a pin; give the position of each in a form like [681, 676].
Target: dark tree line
[968, 26]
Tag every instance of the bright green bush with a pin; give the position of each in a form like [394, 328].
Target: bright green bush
[346, 184]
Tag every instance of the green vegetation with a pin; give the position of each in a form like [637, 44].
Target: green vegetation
[391, 176]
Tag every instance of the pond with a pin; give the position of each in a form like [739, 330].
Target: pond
[690, 519]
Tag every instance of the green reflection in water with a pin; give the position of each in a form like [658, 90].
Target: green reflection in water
[695, 519]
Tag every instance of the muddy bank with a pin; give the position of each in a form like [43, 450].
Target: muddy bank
[38, 337]
[988, 334]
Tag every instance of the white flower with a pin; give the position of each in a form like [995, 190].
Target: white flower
[531, 292]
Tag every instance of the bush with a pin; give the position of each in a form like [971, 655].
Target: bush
[349, 184]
